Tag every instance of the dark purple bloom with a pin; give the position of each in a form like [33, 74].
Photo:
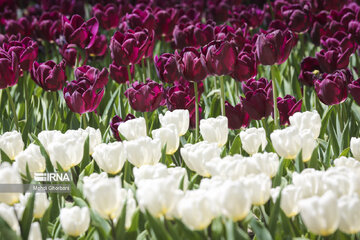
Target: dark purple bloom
[141, 18]
[94, 75]
[333, 60]
[120, 73]
[69, 54]
[48, 27]
[183, 35]
[298, 17]
[99, 47]
[9, 69]
[237, 116]
[49, 75]
[310, 69]
[340, 40]
[245, 67]
[166, 68]
[354, 89]
[203, 34]
[26, 51]
[115, 122]
[332, 89]
[189, 65]
[165, 22]
[108, 15]
[287, 106]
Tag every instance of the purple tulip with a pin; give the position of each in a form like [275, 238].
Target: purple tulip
[354, 29]
[26, 51]
[310, 69]
[120, 73]
[287, 107]
[48, 27]
[189, 65]
[165, 22]
[274, 47]
[203, 34]
[332, 88]
[245, 67]
[49, 75]
[107, 16]
[142, 19]
[145, 97]
[298, 17]
[22, 26]
[253, 84]
[85, 93]
[183, 35]
[166, 68]
[79, 32]
[115, 122]
[354, 90]
[333, 60]
[66, 7]
[9, 69]
[69, 54]
[237, 116]
[340, 40]
[219, 57]
[251, 15]
[99, 47]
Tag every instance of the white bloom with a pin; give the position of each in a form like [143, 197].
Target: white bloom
[355, 147]
[349, 207]
[33, 158]
[286, 142]
[229, 167]
[46, 137]
[94, 138]
[340, 181]
[9, 175]
[75, 221]
[196, 156]
[110, 157]
[133, 129]
[143, 151]
[178, 117]
[130, 208]
[307, 120]
[320, 214]
[290, 197]
[35, 232]
[310, 182]
[89, 181]
[8, 214]
[267, 163]
[215, 130]
[348, 162]
[252, 139]
[308, 144]
[11, 144]
[41, 203]
[259, 187]
[168, 136]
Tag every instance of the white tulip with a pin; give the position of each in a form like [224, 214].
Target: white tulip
[8, 214]
[286, 142]
[46, 137]
[252, 139]
[215, 130]
[9, 175]
[259, 188]
[89, 181]
[41, 203]
[307, 120]
[110, 157]
[178, 117]
[349, 207]
[290, 197]
[267, 163]
[35, 232]
[308, 144]
[11, 144]
[320, 215]
[310, 182]
[348, 162]
[143, 151]
[355, 147]
[133, 129]
[75, 221]
[196, 156]
[340, 181]
[229, 167]
[130, 208]
[168, 136]
[33, 158]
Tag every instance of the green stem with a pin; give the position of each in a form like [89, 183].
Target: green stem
[26, 91]
[146, 121]
[113, 230]
[222, 95]
[149, 68]
[215, 83]
[304, 97]
[196, 111]
[143, 69]
[83, 118]
[276, 120]
[129, 73]
[12, 105]
[56, 105]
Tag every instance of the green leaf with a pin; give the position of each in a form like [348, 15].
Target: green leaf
[134, 221]
[45, 221]
[27, 217]
[49, 166]
[274, 216]
[345, 152]
[86, 157]
[259, 229]
[325, 120]
[6, 231]
[299, 164]
[157, 228]
[233, 232]
[120, 225]
[236, 146]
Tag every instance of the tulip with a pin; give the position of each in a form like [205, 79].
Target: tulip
[145, 97]
[307, 120]
[9, 175]
[298, 17]
[237, 116]
[99, 48]
[215, 130]
[287, 107]
[252, 139]
[354, 29]
[11, 144]
[183, 36]
[348, 162]
[310, 69]
[355, 147]
[150, 151]
[22, 26]
[79, 32]
[259, 186]
[69, 54]
[310, 182]
[274, 47]
[110, 157]
[94, 75]
[341, 181]
[107, 15]
[354, 90]
[230, 167]
[46, 137]
[196, 156]
[262, 163]
[168, 137]
[320, 215]
[49, 75]
[286, 142]
[189, 65]
[332, 89]
[130, 209]
[203, 34]
[75, 221]
[178, 117]
[245, 67]
[166, 68]
[142, 19]
[115, 122]
[7, 213]
[120, 73]
[26, 51]
[9, 69]
[332, 60]
[132, 128]
[81, 134]
[290, 198]
[340, 40]
[48, 27]
[165, 21]
[41, 204]
[349, 208]
[219, 57]
[308, 144]
[32, 158]
[35, 232]
[258, 103]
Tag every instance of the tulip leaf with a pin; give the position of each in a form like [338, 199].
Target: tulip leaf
[6, 232]
[236, 146]
[274, 216]
[86, 155]
[299, 164]
[134, 221]
[27, 217]
[101, 225]
[233, 232]
[325, 120]
[345, 152]
[157, 229]
[45, 221]
[313, 162]
[120, 225]
[260, 230]
[4, 157]
[49, 166]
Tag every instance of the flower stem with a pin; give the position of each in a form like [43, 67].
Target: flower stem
[304, 97]
[83, 120]
[129, 73]
[276, 120]
[146, 121]
[13, 109]
[143, 69]
[57, 112]
[196, 111]
[222, 95]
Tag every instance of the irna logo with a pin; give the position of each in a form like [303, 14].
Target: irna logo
[52, 177]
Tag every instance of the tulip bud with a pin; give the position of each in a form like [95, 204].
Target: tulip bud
[308, 144]
[150, 151]
[166, 68]
[310, 181]
[9, 69]
[11, 144]
[75, 221]
[237, 116]
[49, 75]
[349, 208]
[35, 232]
[189, 65]
[245, 67]
[332, 89]
[259, 186]
[320, 215]
[266, 163]
[215, 130]
[307, 120]
[110, 157]
[7, 213]
[286, 142]
[33, 158]
[168, 137]
[178, 117]
[355, 147]
[287, 106]
[252, 139]
[290, 198]
[41, 204]
[133, 129]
